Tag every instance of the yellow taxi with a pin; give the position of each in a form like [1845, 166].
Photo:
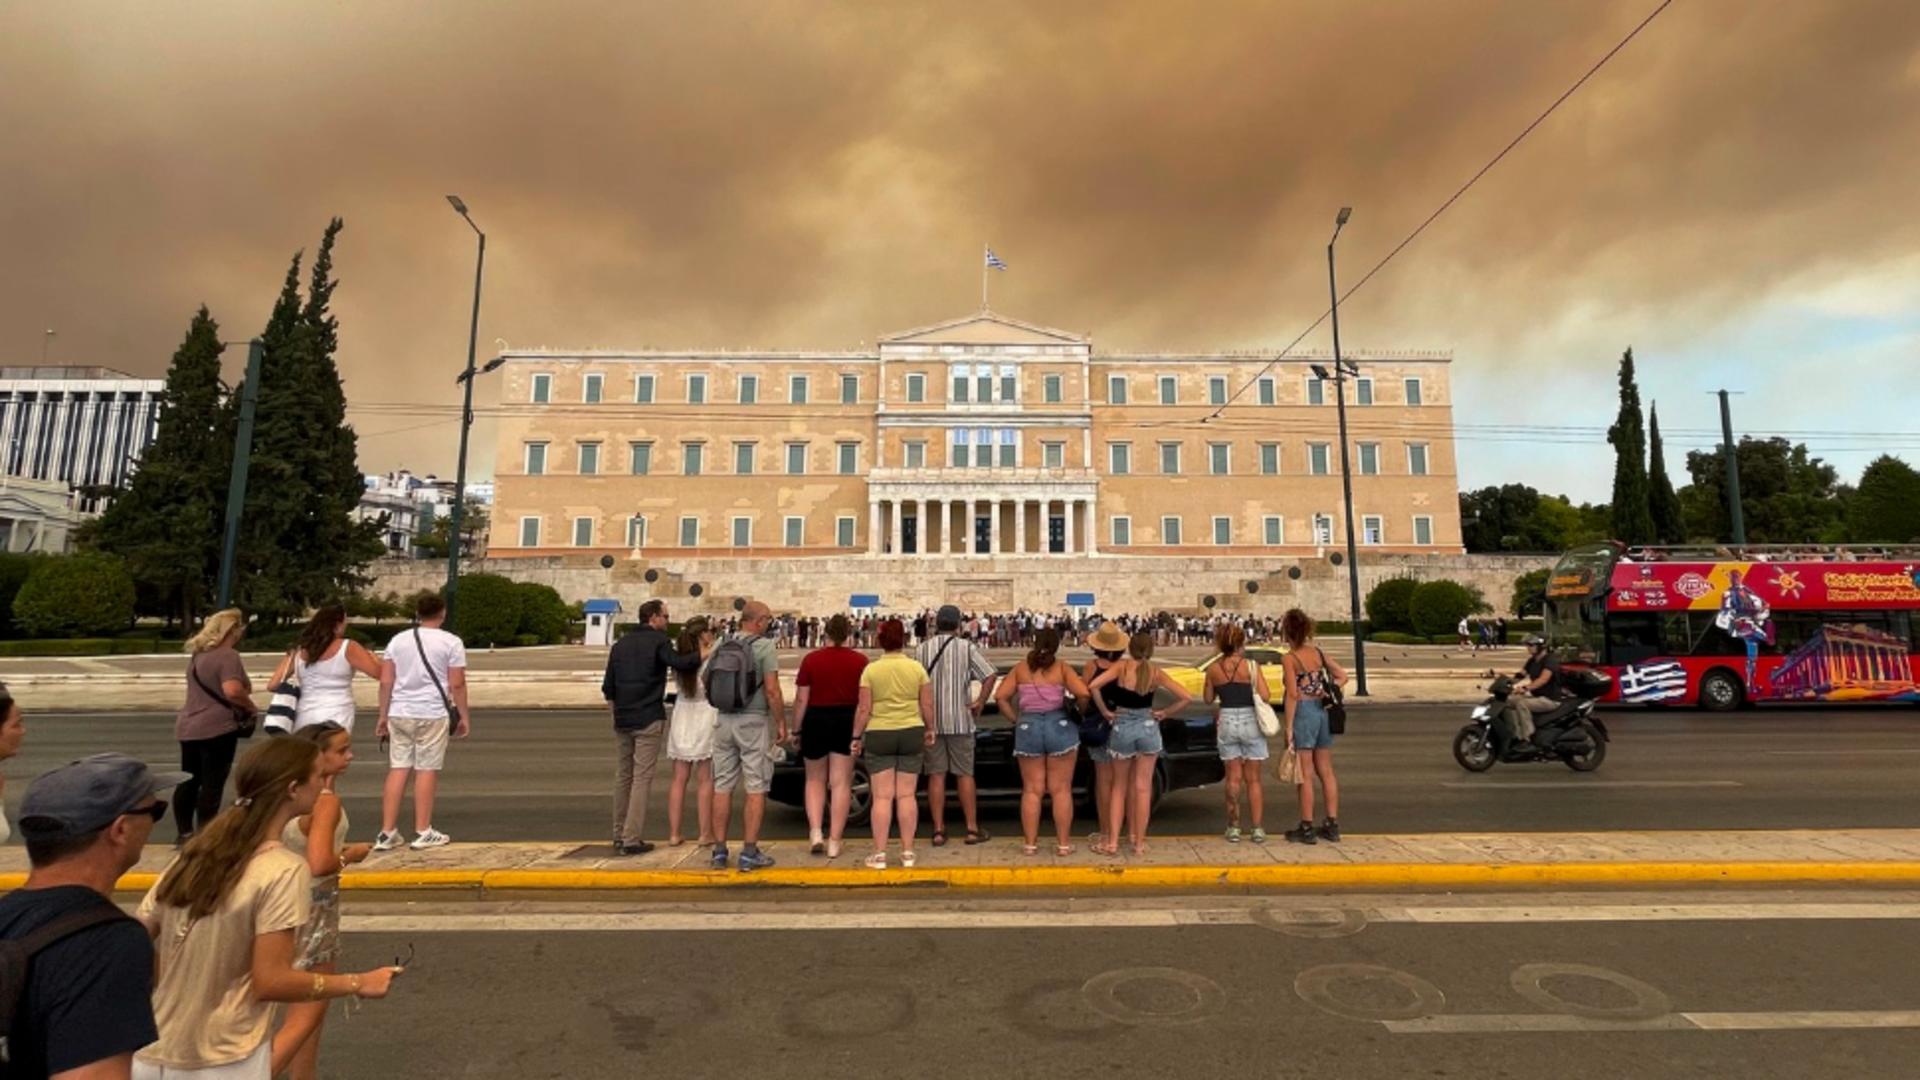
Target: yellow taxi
[1267, 655]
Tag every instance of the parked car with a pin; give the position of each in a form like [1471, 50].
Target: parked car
[1191, 760]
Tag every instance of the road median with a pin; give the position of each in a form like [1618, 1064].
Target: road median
[1409, 861]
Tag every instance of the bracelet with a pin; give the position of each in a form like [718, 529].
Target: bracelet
[319, 988]
[353, 985]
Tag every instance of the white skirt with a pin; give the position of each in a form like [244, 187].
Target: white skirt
[255, 1066]
[308, 713]
[690, 731]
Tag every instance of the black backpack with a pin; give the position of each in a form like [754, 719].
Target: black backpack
[16, 962]
[732, 675]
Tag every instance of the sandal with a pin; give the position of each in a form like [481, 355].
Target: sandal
[939, 838]
[906, 859]
[1103, 849]
[676, 841]
[875, 861]
[978, 836]
[1029, 849]
[833, 849]
[1140, 849]
[1063, 850]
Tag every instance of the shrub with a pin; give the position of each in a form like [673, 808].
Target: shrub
[1529, 593]
[543, 615]
[1438, 606]
[1394, 637]
[486, 611]
[524, 640]
[1387, 605]
[15, 568]
[83, 595]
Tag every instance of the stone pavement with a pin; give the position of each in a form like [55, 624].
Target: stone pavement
[1407, 860]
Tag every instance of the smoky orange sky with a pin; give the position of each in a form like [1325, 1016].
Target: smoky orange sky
[1734, 196]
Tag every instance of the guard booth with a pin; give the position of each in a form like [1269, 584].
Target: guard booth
[1081, 604]
[601, 617]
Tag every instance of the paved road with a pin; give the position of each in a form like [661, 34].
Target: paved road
[545, 775]
[1184, 988]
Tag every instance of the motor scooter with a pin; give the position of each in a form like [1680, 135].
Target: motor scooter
[1571, 733]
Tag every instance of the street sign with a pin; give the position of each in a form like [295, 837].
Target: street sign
[864, 600]
[1079, 599]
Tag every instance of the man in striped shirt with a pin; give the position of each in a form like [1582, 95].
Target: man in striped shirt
[954, 663]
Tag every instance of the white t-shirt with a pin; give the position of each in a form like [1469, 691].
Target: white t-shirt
[414, 694]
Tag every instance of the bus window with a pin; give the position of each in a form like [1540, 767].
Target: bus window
[1633, 636]
[1676, 637]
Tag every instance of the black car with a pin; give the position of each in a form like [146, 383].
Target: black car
[1190, 760]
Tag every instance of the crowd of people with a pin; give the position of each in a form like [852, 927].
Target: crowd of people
[1006, 630]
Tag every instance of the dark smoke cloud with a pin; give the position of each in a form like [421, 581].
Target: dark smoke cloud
[806, 174]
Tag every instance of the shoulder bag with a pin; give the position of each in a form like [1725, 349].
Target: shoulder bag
[1334, 699]
[244, 721]
[283, 706]
[1262, 708]
[453, 718]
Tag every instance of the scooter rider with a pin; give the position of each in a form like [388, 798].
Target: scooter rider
[1540, 691]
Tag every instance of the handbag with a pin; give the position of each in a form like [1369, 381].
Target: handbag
[1286, 767]
[1334, 700]
[1262, 708]
[1094, 729]
[453, 718]
[284, 705]
[244, 721]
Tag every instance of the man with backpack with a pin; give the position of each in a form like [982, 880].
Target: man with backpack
[635, 687]
[743, 686]
[76, 974]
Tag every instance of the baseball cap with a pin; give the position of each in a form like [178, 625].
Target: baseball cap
[87, 795]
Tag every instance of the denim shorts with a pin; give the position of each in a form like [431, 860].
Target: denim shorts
[1239, 737]
[1100, 755]
[1310, 728]
[1047, 734]
[1135, 732]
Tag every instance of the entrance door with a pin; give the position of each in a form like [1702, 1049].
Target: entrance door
[1057, 534]
[909, 536]
[983, 535]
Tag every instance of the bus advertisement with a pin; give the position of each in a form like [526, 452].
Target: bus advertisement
[1725, 627]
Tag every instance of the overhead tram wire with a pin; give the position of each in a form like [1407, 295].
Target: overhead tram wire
[1451, 199]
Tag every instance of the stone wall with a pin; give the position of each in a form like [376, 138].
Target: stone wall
[1119, 584]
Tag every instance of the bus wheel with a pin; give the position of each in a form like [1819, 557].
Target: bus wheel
[1720, 691]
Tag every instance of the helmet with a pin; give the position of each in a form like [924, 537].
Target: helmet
[1535, 641]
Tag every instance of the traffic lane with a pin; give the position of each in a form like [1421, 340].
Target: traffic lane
[1183, 1001]
[548, 776]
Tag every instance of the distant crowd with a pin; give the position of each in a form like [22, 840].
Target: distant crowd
[1015, 629]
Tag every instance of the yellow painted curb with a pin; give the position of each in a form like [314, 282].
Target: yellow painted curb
[1270, 875]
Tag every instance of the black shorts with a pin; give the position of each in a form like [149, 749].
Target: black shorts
[828, 730]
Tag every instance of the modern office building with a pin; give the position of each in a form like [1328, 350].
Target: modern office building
[978, 437]
[82, 426]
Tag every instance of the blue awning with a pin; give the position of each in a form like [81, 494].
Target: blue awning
[1079, 599]
[864, 600]
[602, 607]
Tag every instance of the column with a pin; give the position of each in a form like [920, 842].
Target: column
[1020, 525]
[994, 528]
[1093, 528]
[1071, 510]
[873, 525]
[927, 519]
[899, 514]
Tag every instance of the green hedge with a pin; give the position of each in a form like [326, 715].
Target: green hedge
[88, 594]
[1395, 637]
[543, 615]
[85, 647]
[1388, 603]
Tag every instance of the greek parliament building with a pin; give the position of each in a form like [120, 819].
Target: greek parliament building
[983, 443]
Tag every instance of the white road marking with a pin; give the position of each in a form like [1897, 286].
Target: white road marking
[1499, 1023]
[1876, 751]
[1116, 918]
[1582, 785]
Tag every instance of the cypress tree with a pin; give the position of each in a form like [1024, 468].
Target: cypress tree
[1663, 503]
[1632, 520]
[276, 496]
[166, 522]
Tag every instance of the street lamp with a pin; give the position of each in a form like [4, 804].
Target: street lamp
[466, 411]
[1340, 370]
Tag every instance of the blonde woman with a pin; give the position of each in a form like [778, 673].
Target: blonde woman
[208, 725]
[322, 836]
[1135, 744]
[225, 918]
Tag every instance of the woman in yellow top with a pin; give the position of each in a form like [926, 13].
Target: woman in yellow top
[892, 727]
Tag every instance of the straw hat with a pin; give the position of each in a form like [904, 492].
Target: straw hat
[1109, 638]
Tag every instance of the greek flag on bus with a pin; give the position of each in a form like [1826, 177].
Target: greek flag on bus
[1653, 682]
[994, 262]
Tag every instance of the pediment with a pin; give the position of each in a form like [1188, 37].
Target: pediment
[983, 328]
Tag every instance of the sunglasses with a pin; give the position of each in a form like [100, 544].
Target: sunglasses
[157, 811]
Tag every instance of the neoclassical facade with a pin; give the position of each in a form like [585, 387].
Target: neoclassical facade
[982, 436]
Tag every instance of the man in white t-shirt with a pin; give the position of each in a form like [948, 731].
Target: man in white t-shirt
[423, 678]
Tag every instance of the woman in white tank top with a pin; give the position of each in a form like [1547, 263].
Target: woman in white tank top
[323, 662]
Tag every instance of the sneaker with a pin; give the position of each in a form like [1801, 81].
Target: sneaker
[1302, 834]
[432, 838]
[638, 847]
[1330, 832]
[387, 841]
[1233, 834]
[719, 857]
[752, 859]
[1259, 835]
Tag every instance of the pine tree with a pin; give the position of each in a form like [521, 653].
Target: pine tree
[1663, 504]
[1632, 520]
[166, 523]
[276, 496]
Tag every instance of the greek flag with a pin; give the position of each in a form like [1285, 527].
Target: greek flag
[994, 262]
[1653, 682]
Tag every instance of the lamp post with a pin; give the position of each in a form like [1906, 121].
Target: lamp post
[1340, 370]
[466, 413]
[237, 475]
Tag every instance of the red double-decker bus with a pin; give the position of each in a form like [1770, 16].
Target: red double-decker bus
[1722, 627]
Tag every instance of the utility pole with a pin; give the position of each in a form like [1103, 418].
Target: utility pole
[237, 479]
[457, 519]
[1736, 518]
[1346, 470]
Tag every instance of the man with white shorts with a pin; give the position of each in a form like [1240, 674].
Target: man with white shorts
[423, 700]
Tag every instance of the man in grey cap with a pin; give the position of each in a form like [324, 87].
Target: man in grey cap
[954, 663]
[87, 997]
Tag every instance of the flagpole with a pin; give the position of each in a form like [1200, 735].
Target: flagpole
[983, 277]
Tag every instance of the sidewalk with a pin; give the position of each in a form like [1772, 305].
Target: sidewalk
[1433, 860]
